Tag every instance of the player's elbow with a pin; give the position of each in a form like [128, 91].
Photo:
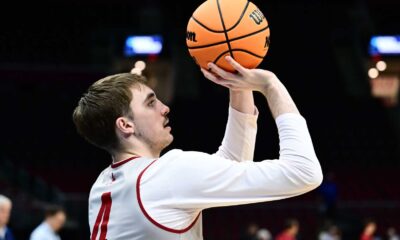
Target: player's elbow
[313, 175]
[307, 171]
[317, 177]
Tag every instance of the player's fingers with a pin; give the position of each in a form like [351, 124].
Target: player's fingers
[208, 75]
[228, 84]
[211, 77]
[242, 70]
[218, 80]
[224, 74]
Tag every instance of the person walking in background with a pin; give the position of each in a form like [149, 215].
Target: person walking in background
[54, 220]
[391, 234]
[331, 232]
[250, 233]
[5, 211]
[290, 232]
[264, 234]
[369, 230]
[329, 194]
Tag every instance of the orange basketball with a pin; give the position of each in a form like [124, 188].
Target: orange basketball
[220, 28]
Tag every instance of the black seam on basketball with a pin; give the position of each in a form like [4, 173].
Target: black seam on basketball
[250, 34]
[219, 56]
[241, 16]
[246, 51]
[208, 45]
[204, 26]
[237, 50]
[221, 31]
[233, 39]
[223, 25]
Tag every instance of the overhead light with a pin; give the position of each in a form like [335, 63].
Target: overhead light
[143, 45]
[373, 73]
[385, 45]
[381, 66]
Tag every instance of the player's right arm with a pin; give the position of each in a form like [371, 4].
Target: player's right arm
[211, 183]
[195, 181]
[198, 180]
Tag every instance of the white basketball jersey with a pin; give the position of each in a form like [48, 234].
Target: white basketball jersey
[116, 210]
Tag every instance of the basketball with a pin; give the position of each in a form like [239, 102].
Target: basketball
[220, 28]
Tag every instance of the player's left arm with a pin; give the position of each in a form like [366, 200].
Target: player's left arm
[242, 101]
[241, 129]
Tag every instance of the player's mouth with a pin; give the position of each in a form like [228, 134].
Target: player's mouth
[166, 123]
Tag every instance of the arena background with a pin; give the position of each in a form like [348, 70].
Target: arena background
[50, 53]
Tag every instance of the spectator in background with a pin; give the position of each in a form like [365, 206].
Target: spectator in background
[369, 230]
[328, 191]
[331, 232]
[54, 220]
[251, 232]
[264, 234]
[391, 234]
[290, 232]
[5, 211]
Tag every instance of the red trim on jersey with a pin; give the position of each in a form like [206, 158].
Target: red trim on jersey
[117, 164]
[106, 218]
[98, 220]
[148, 216]
[104, 214]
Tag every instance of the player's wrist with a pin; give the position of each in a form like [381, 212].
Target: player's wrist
[271, 83]
[240, 92]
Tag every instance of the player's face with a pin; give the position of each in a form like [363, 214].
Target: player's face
[150, 118]
[5, 210]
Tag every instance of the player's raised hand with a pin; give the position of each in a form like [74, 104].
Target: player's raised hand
[244, 79]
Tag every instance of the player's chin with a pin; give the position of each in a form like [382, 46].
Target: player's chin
[169, 139]
[168, 132]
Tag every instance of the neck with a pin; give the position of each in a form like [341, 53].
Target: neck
[125, 154]
[290, 232]
[50, 224]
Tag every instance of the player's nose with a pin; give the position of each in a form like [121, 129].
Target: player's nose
[164, 110]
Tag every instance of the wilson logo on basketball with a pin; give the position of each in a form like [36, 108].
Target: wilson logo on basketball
[191, 36]
[257, 16]
[267, 42]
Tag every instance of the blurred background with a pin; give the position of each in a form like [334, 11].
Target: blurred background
[339, 60]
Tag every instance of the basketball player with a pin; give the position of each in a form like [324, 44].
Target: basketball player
[143, 195]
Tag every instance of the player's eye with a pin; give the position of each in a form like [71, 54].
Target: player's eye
[151, 103]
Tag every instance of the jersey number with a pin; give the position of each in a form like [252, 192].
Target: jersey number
[102, 217]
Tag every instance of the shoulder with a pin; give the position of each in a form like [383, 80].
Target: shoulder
[9, 233]
[173, 160]
[103, 173]
[178, 154]
[42, 232]
[179, 160]
[37, 232]
[101, 176]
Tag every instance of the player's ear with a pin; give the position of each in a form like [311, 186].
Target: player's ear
[125, 126]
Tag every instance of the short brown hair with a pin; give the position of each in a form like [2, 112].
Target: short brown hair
[105, 101]
[51, 210]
